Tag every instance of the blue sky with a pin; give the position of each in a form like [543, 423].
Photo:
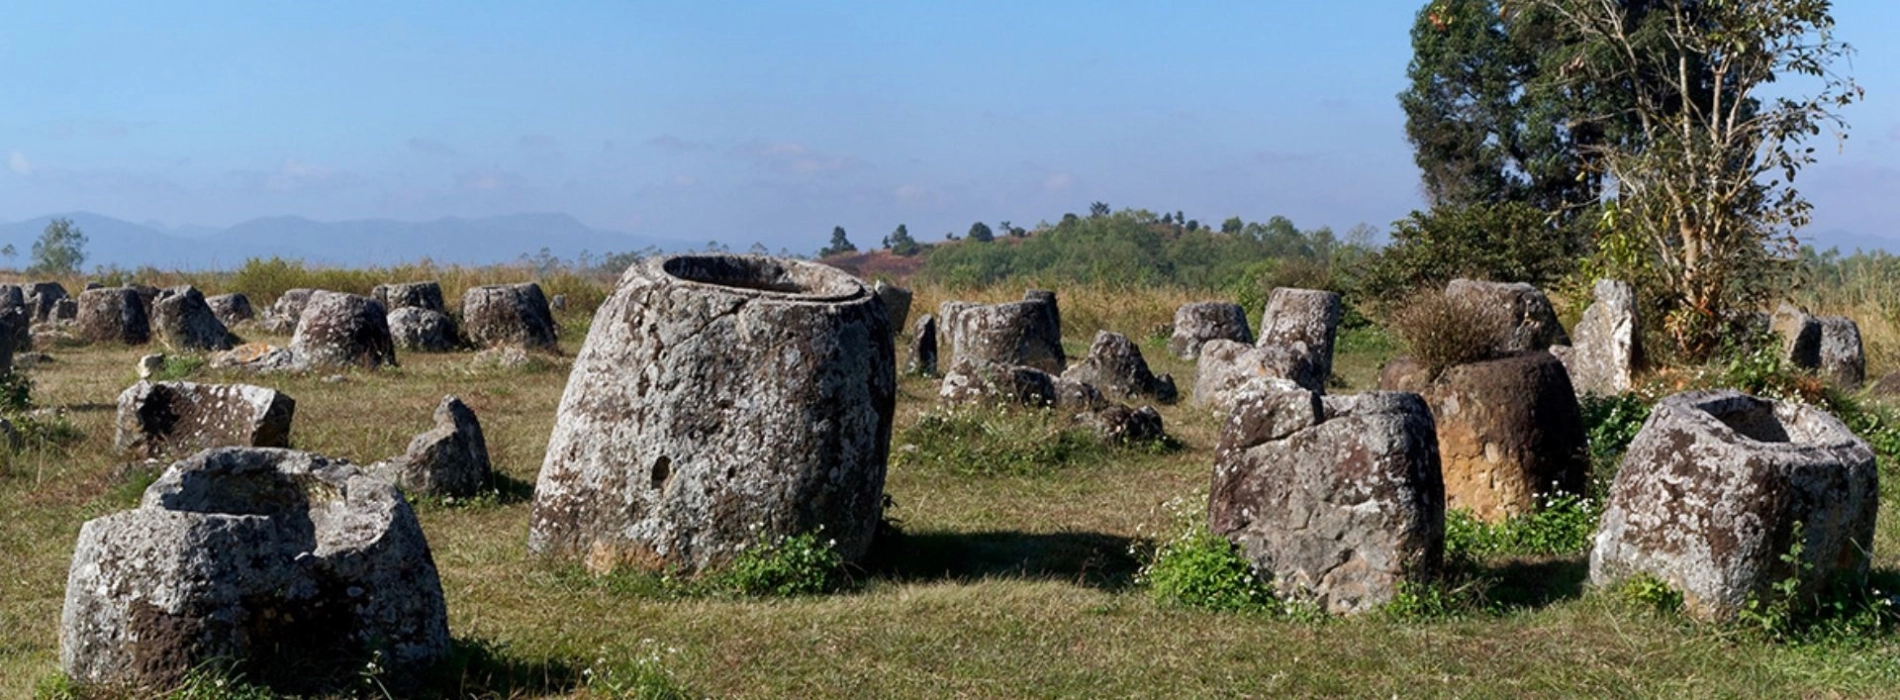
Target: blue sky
[764, 121]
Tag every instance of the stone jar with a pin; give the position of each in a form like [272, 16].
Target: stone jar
[720, 400]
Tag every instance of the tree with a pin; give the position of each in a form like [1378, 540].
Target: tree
[1702, 208]
[1098, 209]
[901, 243]
[839, 244]
[1232, 226]
[980, 232]
[60, 249]
[10, 252]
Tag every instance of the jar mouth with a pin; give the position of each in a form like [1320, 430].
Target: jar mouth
[759, 274]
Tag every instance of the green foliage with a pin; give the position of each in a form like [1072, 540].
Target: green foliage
[1649, 593]
[839, 244]
[980, 232]
[16, 393]
[1561, 524]
[1610, 423]
[60, 249]
[791, 566]
[997, 441]
[901, 243]
[178, 367]
[1441, 330]
[1443, 599]
[1203, 570]
[1505, 241]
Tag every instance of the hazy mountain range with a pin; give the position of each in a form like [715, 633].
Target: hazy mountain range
[360, 242]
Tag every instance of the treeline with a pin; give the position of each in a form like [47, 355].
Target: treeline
[1136, 247]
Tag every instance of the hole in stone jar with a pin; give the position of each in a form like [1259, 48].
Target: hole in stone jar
[1757, 422]
[762, 274]
[662, 468]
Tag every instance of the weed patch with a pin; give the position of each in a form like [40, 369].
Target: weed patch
[1562, 524]
[998, 441]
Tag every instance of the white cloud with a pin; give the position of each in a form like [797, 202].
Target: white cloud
[18, 163]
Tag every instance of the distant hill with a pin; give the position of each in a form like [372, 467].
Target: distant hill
[359, 242]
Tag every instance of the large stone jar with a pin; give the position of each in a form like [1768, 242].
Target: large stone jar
[720, 400]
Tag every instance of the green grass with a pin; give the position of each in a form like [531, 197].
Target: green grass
[1003, 583]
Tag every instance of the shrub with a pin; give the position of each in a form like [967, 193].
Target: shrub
[1440, 330]
[1563, 524]
[1649, 593]
[791, 566]
[1611, 424]
[1196, 568]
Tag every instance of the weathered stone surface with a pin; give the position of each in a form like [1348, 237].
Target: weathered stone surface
[113, 315]
[421, 295]
[1711, 491]
[448, 460]
[719, 399]
[1800, 336]
[1841, 358]
[175, 419]
[1303, 320]
[257, 357]
[1537, 326]
[343, 330]
[1608, 348]
[896, 302]
[923, 347]
[421, 330]
[66, 309]
[1337, 498]
[283, 315]
[1014, 333]
[1115, 366]
[1226, 367]
[972, 381]
[1509, 430]
[1117, 423]
[151, 364]
[42, 300]
[1887, 388]
[184, 322]
[1047, 298]
[231, 309]
[508, 314]
[1198, 322]
[300, 569]
[946, 322]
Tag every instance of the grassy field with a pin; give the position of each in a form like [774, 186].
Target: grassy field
[1010, 585]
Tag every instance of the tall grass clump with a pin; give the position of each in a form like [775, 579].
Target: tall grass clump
[1442, 330]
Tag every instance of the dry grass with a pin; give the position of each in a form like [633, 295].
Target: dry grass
[1007, 586]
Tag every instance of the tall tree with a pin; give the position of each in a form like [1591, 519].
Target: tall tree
[980, 232]
[1703, 205]
[60, 249]
[839, 244]
[901, 243]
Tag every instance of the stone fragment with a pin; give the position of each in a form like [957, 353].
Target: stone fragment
[1306, 319]
[301, 570]
[66, 309]
[1841, 358]
[185, 323]
[1115, 366]
[923, 347]
[421, 330]
[175, 419]
[1337, 498]
[42, 300]
[896, 302]
[448, 460]
[1048, 299]
[1536, 326]
[343, 330]
[1608, 347]
[1226, 367]
[1015, 333]
[421, 295]
[1198, 322]
[720, 399]
[558, 302]
[1716, 487]
[508, 314]
[151, 364]
[1800, 336]
[113, 315]
[283, 315]
[1510, 430]
[231, 309]
[972, 381]
[1121, 424]
[505, 358]
[257, 357]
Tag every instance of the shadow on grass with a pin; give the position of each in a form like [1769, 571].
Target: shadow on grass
[1085, 558]
[480, 668]
[1534, 583]
[511, 490]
